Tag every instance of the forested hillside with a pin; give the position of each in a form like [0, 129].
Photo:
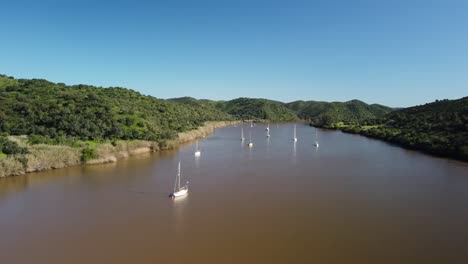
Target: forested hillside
[440, 128]
[40, 107]
[55, 110]
[330, 114]
[249, 108]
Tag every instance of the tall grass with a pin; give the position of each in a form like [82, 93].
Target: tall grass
[10, 166]
[191, 135]
[110, 152]
[43, 157]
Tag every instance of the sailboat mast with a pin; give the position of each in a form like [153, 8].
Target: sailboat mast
[175, 183]
[178, 178]
[242, 133]
[294, 131]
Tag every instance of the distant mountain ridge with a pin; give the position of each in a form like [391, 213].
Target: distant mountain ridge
[90, 112]
[319, 113]
[327, 114]
[251, 108]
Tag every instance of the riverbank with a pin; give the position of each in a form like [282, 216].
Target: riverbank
[429, 143]
[44, 157]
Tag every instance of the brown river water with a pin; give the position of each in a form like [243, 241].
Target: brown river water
[352, 200]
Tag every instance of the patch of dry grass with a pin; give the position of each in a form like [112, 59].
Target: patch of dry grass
[43, 157]
[122, 149]
[10, 166]
[22, 141]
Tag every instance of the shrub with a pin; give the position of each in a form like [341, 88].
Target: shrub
[88, 153]
[38, 139]
[11, 148]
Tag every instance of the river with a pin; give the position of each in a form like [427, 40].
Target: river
[352, 200]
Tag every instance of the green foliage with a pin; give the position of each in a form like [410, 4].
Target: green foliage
[58, 112]
[328, 114]
[6, 81]
[61, 140]
[9, 147]
[88, 153]
[257, 109]
[440, 128]
[52, 113]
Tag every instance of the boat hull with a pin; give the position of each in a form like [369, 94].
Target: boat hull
[180, 193]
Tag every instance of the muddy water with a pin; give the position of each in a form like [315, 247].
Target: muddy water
[353, 200]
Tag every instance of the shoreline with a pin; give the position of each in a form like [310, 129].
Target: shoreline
[46, 157]
[141, 146]
[430, 152]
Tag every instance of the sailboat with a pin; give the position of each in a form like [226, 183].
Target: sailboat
[268, 128]
[295, 137]
[242, 134]
[250, 141]
[316, 138]
[251, 124]
[197, 151]
[179, 191]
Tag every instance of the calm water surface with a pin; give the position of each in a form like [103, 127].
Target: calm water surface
[353, 200]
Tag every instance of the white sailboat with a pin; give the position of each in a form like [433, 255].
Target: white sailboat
[250, 140]
[242, 134]
[268, 127]
[197, 151]
[179, 191]
[316, 138]
[295, 137]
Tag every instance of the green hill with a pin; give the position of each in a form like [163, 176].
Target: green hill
[55, 110]
[257, 109]
[440, 128]
[195, 102]
[7, 81]
[330, 114]
[40, 107]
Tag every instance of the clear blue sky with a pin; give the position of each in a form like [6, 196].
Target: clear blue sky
[397, 53]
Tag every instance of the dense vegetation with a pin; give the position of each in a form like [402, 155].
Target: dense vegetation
[54, 113]
[57, 111]
[8, 147]
[252, 109]
[327, 115]
[440, 128]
